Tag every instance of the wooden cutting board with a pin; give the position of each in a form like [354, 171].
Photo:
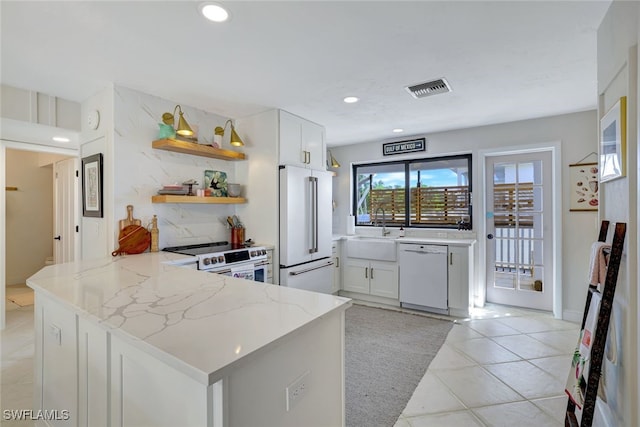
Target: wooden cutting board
[134, 239]
[130, 220]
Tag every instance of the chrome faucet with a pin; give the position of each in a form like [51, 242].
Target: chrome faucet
[384, 224]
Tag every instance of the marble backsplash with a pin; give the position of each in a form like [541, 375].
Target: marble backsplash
[142, 170]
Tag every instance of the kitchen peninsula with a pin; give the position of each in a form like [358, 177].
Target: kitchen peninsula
[136, 341]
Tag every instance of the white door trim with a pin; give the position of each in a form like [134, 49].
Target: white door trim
[556, 169]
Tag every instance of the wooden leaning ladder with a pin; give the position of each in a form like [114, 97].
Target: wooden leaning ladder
[602, 327]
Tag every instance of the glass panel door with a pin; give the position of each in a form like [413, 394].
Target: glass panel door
[520, 212]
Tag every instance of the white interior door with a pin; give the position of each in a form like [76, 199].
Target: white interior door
[65, 210]
[519, 225]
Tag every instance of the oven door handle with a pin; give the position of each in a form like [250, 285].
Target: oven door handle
[228, 270]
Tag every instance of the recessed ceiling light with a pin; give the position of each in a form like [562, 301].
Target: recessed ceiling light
[214, 12]
[398, 130]
[351, 99]
[60, 139]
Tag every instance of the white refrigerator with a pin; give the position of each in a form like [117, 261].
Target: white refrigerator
[305, 229]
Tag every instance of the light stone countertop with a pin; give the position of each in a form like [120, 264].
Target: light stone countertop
[455, 241]
[202, 324]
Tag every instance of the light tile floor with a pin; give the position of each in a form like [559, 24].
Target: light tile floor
[16, 359]
[502, 367]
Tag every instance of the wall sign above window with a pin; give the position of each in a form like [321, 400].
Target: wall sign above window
[403, 147]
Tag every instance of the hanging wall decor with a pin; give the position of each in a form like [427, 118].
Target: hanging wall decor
[613, 142]
[583, 181]
[92, 186]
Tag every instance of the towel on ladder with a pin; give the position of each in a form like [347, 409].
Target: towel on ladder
[598, 263]
[581, 361]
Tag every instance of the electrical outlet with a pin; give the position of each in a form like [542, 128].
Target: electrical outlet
[297, 389]
[56, 333]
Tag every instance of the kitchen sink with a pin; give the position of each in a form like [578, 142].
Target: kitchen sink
[372, 247]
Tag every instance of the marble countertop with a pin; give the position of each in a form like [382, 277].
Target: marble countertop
[456, 241]
[200, 323]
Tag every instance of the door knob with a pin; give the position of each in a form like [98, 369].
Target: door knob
[57, 238]
[489, 236]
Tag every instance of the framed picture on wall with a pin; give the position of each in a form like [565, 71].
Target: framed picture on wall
[613, 142]
[92, 186]
[583, 178]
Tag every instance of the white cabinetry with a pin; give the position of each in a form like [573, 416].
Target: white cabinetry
[378, 278]
[301, 142]
[337, 276]
[144, 391]
[89, 372]
[92, 374]
[56, 374]
[460, 275]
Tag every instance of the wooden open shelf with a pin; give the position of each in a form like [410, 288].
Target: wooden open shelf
[167, 198]
[186, 147]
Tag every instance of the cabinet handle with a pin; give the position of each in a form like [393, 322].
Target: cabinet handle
[366, 272]
[307, 157]
[450, 258]
[372, 272]
[337, 262]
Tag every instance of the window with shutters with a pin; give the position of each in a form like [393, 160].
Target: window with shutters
[433, 192]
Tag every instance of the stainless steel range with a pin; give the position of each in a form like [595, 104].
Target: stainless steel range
[220, 257]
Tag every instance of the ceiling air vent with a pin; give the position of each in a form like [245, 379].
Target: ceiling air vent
[433, 87]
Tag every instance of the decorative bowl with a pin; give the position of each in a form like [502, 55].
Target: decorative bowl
[233, 190]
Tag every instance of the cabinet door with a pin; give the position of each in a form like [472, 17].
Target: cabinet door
[356, 276]
[56, 374]
[335, 252]
[291, 150]
[145, 391]
[458, 264]
[93, 360]
[384, 279]
[313, 144]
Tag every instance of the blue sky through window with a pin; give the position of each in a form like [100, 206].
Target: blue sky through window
[432, 178]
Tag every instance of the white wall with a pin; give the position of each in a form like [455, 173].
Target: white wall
[96, 233]
[29, 215]
[34, 107]
[577, 135]
[618, 37]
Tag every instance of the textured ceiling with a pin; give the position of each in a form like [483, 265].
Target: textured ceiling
[505, 61]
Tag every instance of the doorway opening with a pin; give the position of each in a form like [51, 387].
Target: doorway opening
[39, 200]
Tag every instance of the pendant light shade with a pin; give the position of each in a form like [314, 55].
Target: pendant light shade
[334, 162]
[235, 139]
[183, 128]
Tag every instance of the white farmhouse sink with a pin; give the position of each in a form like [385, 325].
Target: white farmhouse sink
[371, 247]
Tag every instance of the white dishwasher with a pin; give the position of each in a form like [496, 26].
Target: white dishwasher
[423, 277]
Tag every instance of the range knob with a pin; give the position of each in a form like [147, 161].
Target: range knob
[263, 251]
[206, 261]
[220, 259]
[214, 260]
[254, 253]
